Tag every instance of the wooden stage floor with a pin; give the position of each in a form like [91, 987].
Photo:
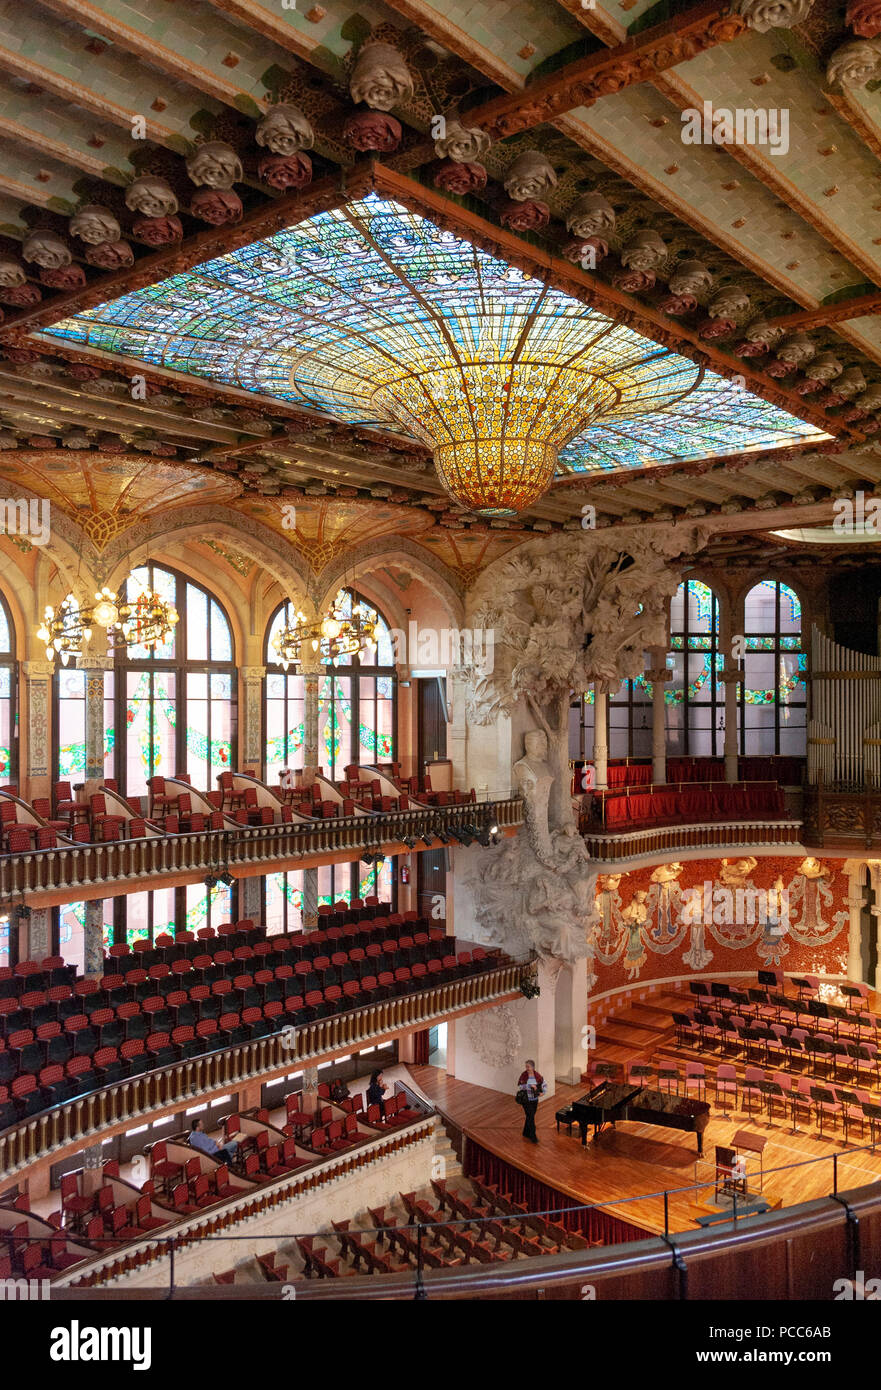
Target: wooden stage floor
[632, 1159]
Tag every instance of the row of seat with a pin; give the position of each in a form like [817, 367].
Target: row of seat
[728, 801]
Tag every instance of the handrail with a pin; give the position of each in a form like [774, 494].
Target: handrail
[290, 1046]
[83, 866]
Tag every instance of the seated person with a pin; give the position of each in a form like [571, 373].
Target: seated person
[339, 1091]
[206, 1145]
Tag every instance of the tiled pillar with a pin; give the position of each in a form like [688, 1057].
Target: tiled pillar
[251, 725]
[94, 938]
[39, 698]
[310, 899]
[94, 668]
[38, 943]
[312, 675]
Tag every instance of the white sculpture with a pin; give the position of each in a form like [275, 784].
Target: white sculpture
[12, 273]
[151, 197]
[590, 215]
[380, 77]
[215, 165]
[530, 176]
[284, 130]
[797, 350]
[728, 304]
[534, 778]
[462, 144]
[94, 224]
[46, 249]
[763, 15]
[854, 64]
[644, 251]
[690, 277]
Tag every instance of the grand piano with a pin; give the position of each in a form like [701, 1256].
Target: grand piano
[611, 1101]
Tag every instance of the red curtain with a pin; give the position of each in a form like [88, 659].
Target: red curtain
[420, 1047]
[593, 1223]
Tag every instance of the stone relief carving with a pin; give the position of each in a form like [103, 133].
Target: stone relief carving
[494, 1036]
[380, 77]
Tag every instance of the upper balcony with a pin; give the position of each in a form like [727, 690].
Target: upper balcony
[103, 846]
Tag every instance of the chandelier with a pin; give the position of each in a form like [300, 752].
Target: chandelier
[66, 630]
[143, 621]
[338, 635]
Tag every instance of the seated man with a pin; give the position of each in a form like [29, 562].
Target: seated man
[206, 1145]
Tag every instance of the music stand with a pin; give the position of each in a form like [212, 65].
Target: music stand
[730, 1174]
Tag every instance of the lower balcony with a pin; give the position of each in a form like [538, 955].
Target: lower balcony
[167, 1088]
[715, 836]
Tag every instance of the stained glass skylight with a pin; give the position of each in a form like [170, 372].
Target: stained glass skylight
[373, 315]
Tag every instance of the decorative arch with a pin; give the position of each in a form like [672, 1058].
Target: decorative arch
[357, 700]
[168, 709]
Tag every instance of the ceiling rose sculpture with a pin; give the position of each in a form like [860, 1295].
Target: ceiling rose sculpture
[372, 315]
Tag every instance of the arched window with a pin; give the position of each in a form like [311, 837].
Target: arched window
[695, 698]
[772, 697]
[356, 701]
[176, 702]
[8, 730]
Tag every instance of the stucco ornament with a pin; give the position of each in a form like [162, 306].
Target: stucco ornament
[46, 249]
[12, 273]
[854, 64]
[797, 351]
[94, 223]
[152, 197]
[760, 331]
[870, 399]
[494, 1036]
[590, 215]
[215, 165]
[529, 177]
[850, 383]
[644, 251]
[463, 144]
[763, 15]
[824, 367]
[690, 277]
[728, 304]
[284, 130]
[380, 77]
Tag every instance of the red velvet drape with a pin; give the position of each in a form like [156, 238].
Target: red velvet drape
[596, 1225]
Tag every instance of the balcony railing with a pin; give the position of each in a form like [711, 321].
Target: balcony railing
[633, 844]
[89, 867]
[82, 1118]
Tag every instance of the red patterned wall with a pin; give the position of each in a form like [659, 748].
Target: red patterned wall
[671, 931]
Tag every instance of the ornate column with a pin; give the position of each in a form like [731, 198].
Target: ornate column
[601, 734]
[855, 904]
[93, 668]
[38, 943]
[250, 900]
[312, 672]
[93, 953]
[251, 723]
[657, 675]
[731, 676]
[39, 695]
[310, 899]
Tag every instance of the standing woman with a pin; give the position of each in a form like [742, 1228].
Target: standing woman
[530, 1088]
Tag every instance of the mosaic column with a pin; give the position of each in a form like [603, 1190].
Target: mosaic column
[39, 679]
[250, 898]
[38, 941]
[855, 903]
[311, 681]
[94, 938]
[251, 743]
[93, 1177]
[657, 676]
[93, 668]
[600, 735]
[732, 676]
[310, 899]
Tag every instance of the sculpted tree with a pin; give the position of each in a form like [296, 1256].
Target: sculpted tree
[563, 613]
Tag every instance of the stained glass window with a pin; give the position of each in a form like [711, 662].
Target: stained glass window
[354, 310]
[356, 702]
[283, 902]
[341, 882]
[8, 730]
[695, 698]
[179, 712]
[773, 698]
[70, 723]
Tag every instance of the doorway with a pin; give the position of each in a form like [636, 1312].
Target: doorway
[868, 931]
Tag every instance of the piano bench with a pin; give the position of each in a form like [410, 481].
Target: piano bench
[565, 1117]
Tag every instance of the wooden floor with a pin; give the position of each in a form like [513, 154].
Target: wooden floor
[633, 1160]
